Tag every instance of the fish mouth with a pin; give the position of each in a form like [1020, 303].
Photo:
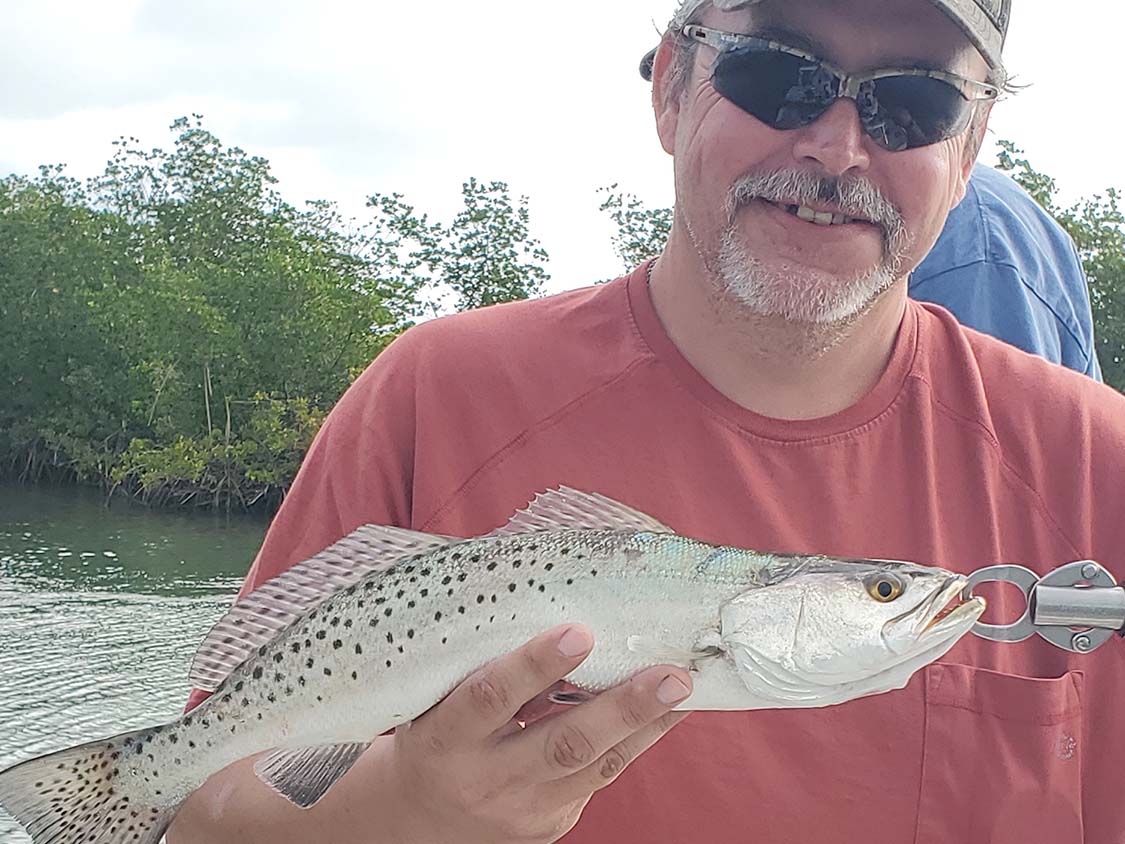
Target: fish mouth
[947, 608]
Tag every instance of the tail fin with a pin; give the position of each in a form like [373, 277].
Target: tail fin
[75, 795]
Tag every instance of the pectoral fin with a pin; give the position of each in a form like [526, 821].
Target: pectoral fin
[656, 650]
[302, 775]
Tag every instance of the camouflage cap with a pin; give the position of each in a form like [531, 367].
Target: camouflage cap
[985, 22]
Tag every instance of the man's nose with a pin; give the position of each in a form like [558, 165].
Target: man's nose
[835, 141]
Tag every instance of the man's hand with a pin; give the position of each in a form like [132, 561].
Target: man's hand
[467, 771]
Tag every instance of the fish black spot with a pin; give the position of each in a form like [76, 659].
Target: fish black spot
[358, 649]
[548, 567]
[226, 698]
[410, 569]
[594, 572]
[390, 638]
[380, 601]
[309, 662]
[190, 743]
[444, 639]
[511, 587]
[445, 581]
[373, 623]
[480, 599]
[475, 558]
[355, 676]
[410, 633]
[517, 563]
[301, 680]
[494, 599]
[337, 644]
[387, 612]
[388, 663]
[296, 647]
[278, 657]
[461, 610]
[335, 622]
[425, 572]
[413, 578]
[262, 650]
[308, 643]
[271, 697]
[258, 673]
[369, 585]
[238, 686]
[456, 555]
[173, 738]
[327, 671]
[312, 615]
[245, 702]
[437, 616]
[564, 551]
[531, 582]
[532, 547]
[424, 593]
[400, 649]
[570, 581]
[400, 593]
[288, 691]
[278, 677]
[542, 588]
[449, 593]
[320, 634]
[347, 622]
[491, 566]
[362, 603]
[410, 605]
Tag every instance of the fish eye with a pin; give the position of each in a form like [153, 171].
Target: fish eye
[884, 588]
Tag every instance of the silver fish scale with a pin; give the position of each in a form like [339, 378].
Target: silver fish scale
[356, 665]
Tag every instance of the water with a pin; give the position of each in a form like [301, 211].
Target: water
[101, 610]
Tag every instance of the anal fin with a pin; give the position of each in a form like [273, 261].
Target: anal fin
[303, 775]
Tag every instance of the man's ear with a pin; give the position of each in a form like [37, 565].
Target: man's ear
[665, 95]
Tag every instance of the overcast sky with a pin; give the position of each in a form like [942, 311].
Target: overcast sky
[346, 98]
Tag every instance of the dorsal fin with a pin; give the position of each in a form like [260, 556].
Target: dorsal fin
[571, 509]
[256, 618]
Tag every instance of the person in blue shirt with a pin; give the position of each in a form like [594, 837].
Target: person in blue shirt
[1004, 266]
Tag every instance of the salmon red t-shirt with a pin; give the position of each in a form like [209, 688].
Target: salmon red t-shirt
[966, 453]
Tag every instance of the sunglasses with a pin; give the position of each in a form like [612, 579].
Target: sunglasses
[784, 87]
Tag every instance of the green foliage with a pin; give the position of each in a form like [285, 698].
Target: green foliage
[1098, 229]
[174, 329]
[485, 256]
[641, 232]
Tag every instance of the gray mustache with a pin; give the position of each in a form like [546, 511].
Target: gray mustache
[854, 196]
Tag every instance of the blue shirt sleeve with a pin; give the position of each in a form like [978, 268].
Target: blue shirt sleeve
[1003, 266]
[995, 300]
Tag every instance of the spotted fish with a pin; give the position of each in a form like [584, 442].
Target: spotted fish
[379, 627]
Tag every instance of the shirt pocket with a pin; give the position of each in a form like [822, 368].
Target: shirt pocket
[1002, 758]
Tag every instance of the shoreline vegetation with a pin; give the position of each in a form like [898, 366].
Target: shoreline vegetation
[176, 333]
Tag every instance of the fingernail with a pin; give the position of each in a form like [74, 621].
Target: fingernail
[672, 690]
[574, 642]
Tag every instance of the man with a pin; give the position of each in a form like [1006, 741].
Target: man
[766, 383]
[1004, 266]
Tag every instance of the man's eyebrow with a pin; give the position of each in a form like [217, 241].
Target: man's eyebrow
[789, 37]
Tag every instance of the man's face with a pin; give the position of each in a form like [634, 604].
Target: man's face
[769, 258]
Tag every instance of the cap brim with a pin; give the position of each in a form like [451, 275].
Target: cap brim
[977, 25]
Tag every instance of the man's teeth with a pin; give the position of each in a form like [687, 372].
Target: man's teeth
[821, 218]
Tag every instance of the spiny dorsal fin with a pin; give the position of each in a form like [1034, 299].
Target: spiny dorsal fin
[302, 775]
[570, 509]
[258, 617]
